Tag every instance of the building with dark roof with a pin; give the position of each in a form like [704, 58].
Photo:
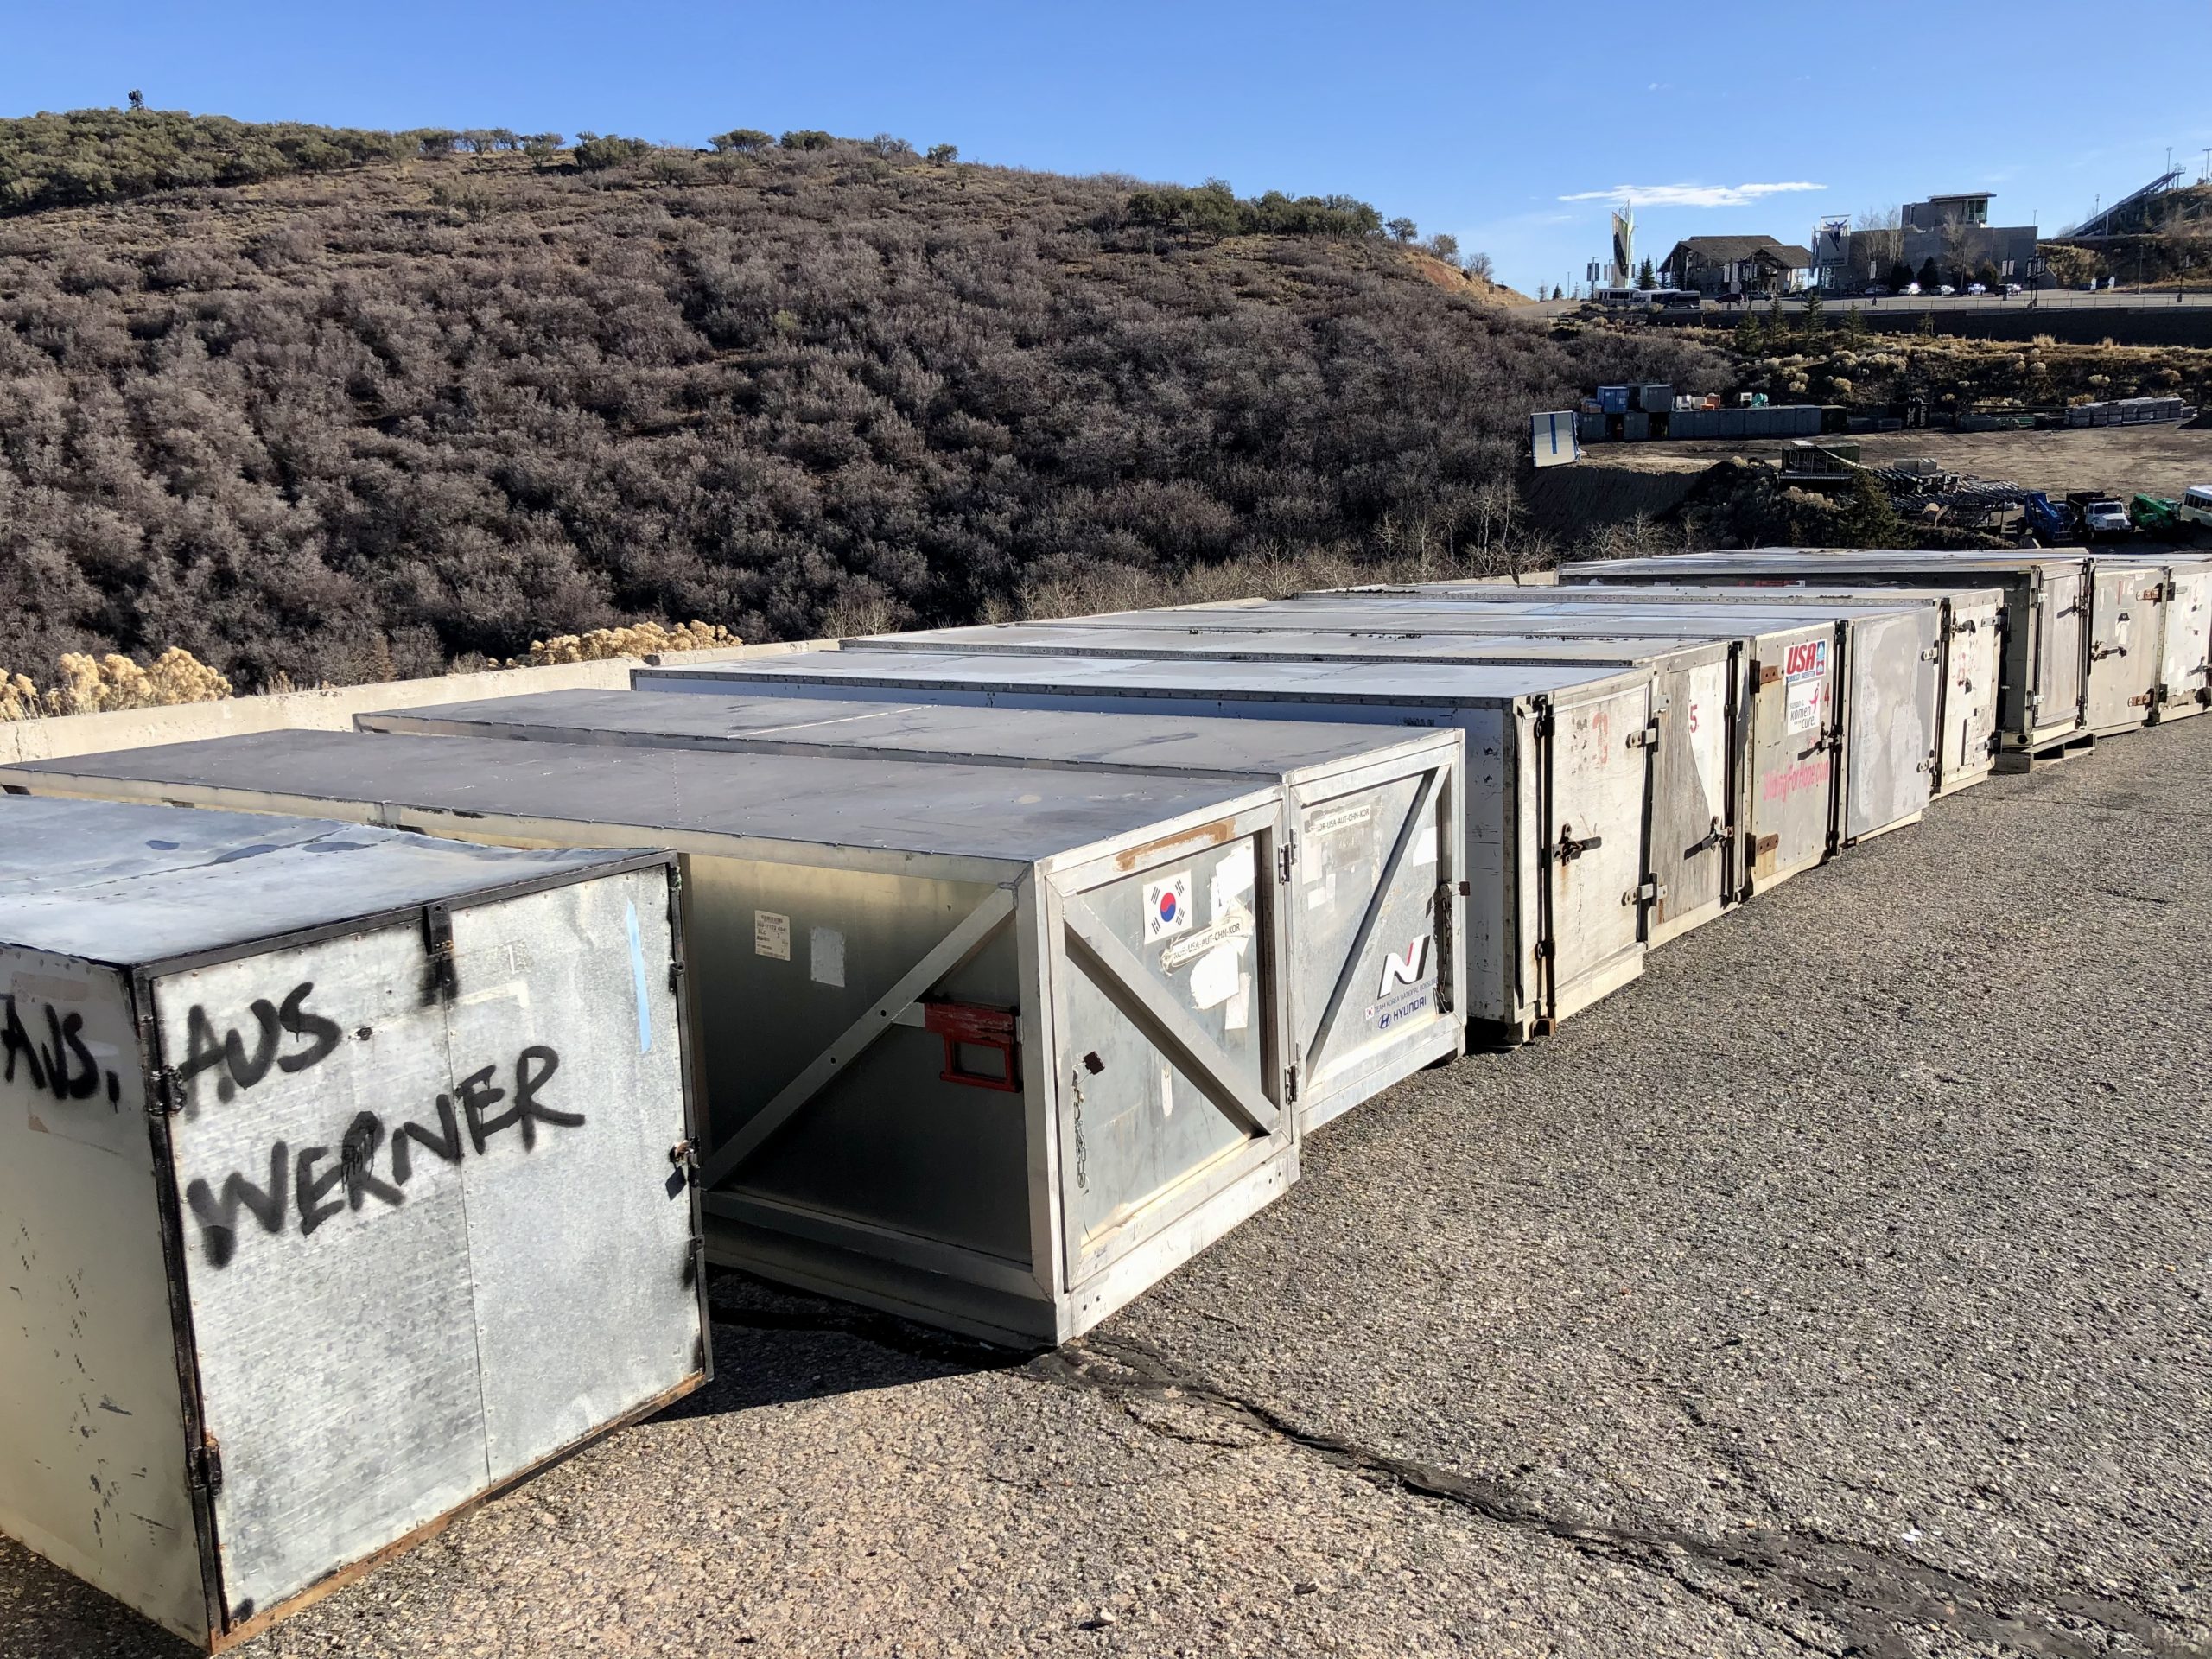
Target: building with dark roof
[1738, 264]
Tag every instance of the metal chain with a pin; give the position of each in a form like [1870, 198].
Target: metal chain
[1081, 1152]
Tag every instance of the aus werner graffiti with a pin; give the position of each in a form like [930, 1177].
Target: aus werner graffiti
[306, 1186]
[238, 1065]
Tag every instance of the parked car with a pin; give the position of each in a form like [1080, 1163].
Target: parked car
[1946, 289]
[1912, 288]
[1977, 288]
[2011, 289]
[1876, 290]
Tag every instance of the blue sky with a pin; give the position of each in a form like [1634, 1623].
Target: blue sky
[1508, 125]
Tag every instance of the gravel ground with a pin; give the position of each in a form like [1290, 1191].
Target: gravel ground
[1837, 1289]
[2149, 460]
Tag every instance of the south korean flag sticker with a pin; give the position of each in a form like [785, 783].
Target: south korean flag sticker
[1167, 907]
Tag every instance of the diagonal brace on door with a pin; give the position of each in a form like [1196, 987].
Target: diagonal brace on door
[1384, 885]
[1114, 968]
[947, 955]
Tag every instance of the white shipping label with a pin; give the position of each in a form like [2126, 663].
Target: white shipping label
[1421, 849]
[1213, 982]
[1232, 879]
[1317, 897]
[772, 935]
[1167, 907]
[825, 956]
[1237, 924]
[1332, 820]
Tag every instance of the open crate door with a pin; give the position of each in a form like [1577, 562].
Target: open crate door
[401, 1159]
[1170, 1024]
[1594, 818]
[1373, 888]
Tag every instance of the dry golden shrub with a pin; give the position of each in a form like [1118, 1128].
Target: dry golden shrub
[92, 685]
[638, 640]
[18, 697]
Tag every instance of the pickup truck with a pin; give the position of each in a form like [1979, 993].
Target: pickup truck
[2102, 516]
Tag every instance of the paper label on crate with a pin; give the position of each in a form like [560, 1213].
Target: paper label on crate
[1237, 1013]
[1805, 675]
[1334, 820]
[825, 956]
[1421, 849]
[1167, 1090]
[1231, 879]
[772, 935]
[1167, 907]
[1213, 980]
[1231, 928]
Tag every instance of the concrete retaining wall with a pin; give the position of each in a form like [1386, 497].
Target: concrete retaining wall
[331, 709]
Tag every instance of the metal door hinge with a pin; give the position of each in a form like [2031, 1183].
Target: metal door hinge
[1286, 860]
[1290, 1085]
[203, 1469]
[675, 977]
[166, 1097]
[1542, 726]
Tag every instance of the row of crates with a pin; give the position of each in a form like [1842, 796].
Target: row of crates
[982, 976]
[2129, 411]
[1776, 421]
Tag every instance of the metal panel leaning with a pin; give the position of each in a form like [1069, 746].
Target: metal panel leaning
[994, 1049]
[336, 1167]
[1375, 955]
[1559, 779]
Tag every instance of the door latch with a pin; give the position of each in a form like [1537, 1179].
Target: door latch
[1567, 848]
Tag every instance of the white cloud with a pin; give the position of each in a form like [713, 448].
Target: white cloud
[1690, 195]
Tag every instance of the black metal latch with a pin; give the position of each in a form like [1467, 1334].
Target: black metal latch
[1567, 848]
[2103, 651]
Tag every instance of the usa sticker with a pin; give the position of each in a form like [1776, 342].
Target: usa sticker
[1409, 967]
[1806, 675]
[1167, 907]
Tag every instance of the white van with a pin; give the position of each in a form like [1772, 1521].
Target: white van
[2195, 505]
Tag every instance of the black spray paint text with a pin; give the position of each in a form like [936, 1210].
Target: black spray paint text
[313, 1183]
[243, 1067]
[62, 1064]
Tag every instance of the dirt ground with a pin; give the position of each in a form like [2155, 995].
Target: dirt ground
[2147, 461]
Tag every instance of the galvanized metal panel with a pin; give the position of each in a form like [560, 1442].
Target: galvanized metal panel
[1792, 784]
[1890, 721]
[1596, 800]
[2187, 655]
[2127, 641]
[92, 1473]
[570, 986]
[1974, 664]
[336, 1345]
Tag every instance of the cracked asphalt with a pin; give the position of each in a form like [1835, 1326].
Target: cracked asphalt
[1837, 1289]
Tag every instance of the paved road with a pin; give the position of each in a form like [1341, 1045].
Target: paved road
[1838, 1288]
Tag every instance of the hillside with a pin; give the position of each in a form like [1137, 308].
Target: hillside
[375, 411]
